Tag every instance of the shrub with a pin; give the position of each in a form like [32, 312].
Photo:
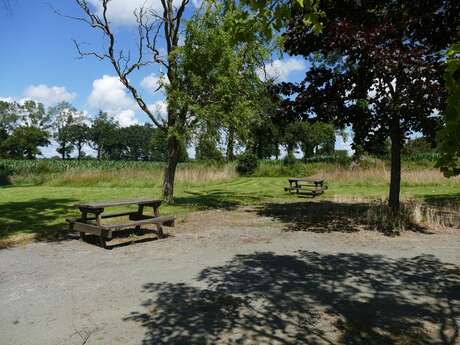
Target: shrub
[5, 173]
[289, 159]
[246, 163]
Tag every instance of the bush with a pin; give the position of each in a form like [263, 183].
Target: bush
[5, 173]
[289, 160]
[246, 163]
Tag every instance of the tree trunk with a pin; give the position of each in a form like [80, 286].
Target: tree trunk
[395, 182]
[170, 170]
[290, 149]
[231, 144]
[79, 147]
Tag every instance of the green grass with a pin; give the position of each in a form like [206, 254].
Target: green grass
[41, 210]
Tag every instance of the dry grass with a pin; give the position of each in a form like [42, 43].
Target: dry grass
[139, 177]
[381, 175]
[415, 215]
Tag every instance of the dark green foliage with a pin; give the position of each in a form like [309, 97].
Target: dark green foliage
[377, 66]
[24, 142]
[69, 129]
[79, 134]
[5, 172]
[246, 163]
[289, 159]
[418, 146]
[103, 134]
[217, 79]
[449, 136]
[207, 150]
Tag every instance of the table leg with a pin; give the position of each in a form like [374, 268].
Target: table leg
[140, 213]
[84, 215]
[156, 213]
[103, 236]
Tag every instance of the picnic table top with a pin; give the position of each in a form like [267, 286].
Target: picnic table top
[103, 204]
[300, 179]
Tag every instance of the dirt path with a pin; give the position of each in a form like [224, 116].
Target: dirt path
[234, 277]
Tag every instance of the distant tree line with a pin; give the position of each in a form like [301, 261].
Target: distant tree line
[26, 128]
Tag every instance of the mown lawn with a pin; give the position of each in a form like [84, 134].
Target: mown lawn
[40, 211]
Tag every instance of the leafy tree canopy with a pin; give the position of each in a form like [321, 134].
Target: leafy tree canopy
[449, 143]
[377, 66]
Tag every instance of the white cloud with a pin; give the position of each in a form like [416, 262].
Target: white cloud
[152, 82]
[7, 99]
[160, 109]
[282, 69]
[49, 95]
[110, 95]
[125, 117]
[122, 11]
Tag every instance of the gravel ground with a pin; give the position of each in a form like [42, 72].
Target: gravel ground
[235, 277]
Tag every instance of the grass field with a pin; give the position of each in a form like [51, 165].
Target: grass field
[35, 205]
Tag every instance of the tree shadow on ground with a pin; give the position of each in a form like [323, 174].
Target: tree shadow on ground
[43, 217]
[329, 216]
[214, 199]
[308, 298]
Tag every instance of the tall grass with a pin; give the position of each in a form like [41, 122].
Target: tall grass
[369, 172]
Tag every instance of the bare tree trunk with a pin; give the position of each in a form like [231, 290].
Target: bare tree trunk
[395, 181]
[170, 170]
[231, 144]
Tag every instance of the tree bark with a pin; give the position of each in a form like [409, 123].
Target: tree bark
[170, 169]
[395, 180]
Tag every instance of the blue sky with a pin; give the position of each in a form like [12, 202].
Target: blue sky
[38, 59]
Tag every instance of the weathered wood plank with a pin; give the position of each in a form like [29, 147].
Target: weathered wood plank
[165, 220]
[296, 179]
[103, 216]
[103, 204]
[88, 228]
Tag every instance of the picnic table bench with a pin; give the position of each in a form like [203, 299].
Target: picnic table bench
[90, 220]
[313, 187]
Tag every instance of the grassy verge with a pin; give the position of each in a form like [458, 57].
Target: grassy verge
[38, 210]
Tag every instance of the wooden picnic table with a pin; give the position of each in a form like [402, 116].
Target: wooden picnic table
[90, 220]
[309, 186]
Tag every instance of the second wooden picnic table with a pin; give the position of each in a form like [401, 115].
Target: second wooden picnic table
[310, 186]
[92, 214]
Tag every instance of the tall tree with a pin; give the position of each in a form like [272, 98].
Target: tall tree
[150, 23]
[79, 134]
[102, 133]
[377, 65]
[33, 114]
[64, 116]
[217, 74]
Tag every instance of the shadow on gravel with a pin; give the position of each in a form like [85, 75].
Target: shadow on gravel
[308, 298]
[44, 217]
[329, 216]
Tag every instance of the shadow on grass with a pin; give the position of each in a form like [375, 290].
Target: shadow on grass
[214, 199]
[442, 199]
[43, 217]
[308, 298]
[329, 216]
